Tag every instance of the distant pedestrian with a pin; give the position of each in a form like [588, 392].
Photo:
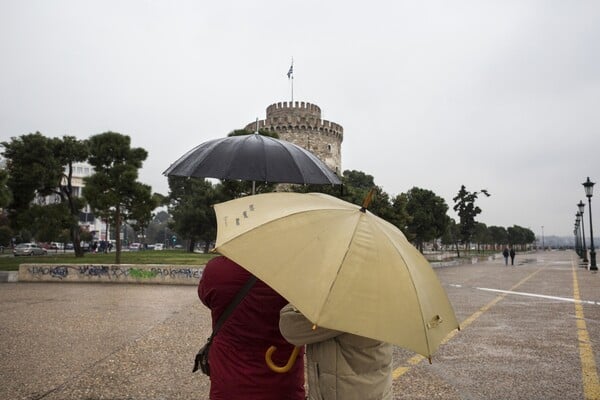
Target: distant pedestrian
[505, 254]
[512, 256]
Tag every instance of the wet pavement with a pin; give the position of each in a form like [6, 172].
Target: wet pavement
[523, 337]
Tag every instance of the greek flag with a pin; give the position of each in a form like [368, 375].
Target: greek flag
[291, 71]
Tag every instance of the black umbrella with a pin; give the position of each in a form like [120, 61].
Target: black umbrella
[253, 158]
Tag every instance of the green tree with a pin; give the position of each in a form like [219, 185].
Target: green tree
[5, 194]
[517, 235]
[48, 221]
[464, 205]
[428, 215]
[32, 169]
[357, 185]
[481, 235]
[40, 167]
[113, 191]
[498, 235]
[381, 204]
[191, 201]
[6, 235]
[68, 151]
[400, 216]
[451, 236]
[143, 203]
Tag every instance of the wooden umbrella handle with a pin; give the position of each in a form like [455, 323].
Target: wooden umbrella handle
[284, 368]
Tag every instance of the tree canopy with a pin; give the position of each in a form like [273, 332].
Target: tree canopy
[5, 193]
[37, 192]
[36, 168]
[113, 190]
[428, 215]
[467, 211]
[190, 204]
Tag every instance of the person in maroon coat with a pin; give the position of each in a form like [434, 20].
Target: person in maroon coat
[237, 354]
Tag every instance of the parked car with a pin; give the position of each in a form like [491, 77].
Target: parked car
[135, 246]
[28, 249]
[159, 246]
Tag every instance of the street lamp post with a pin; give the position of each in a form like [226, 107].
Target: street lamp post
[589, 191]
[577, 238]
[581, 206]
[581, 239]
[577, 235]
[543, 246]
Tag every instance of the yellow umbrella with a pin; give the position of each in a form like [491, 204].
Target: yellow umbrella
[343, 267]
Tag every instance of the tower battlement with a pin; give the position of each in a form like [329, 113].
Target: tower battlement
[300, 122]
[297, 108]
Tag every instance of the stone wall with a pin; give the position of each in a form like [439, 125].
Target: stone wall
[114, 273]
[300, 123]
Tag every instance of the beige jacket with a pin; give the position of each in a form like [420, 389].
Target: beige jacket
[341, 366]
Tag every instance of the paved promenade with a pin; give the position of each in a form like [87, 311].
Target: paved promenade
[531, 331]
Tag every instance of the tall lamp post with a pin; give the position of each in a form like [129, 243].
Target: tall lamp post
[581, 206]
[543, 246]
[577, 235]
[589, 191]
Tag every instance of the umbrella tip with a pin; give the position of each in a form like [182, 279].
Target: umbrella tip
[367, 200]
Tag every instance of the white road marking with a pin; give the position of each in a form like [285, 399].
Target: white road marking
[570, 300]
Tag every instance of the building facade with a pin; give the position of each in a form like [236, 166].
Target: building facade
[301, 123]
[87, 220]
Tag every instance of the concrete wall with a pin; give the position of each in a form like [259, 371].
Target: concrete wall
[123, 273]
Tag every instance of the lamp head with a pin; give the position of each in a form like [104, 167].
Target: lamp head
[589, 187]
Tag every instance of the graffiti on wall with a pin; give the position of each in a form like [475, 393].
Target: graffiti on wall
[114, 272]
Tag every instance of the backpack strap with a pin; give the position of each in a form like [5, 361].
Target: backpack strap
[236, 300]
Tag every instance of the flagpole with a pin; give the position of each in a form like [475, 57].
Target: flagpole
[290, 75]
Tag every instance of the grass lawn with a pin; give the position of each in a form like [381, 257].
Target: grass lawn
[174, 257]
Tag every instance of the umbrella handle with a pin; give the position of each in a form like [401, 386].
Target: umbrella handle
[284, 368]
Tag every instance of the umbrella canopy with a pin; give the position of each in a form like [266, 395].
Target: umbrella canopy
[343, 267]
[253, 158]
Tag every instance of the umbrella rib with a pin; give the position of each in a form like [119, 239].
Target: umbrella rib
[360, 214]
[177, 164]
[235, 150]
[287, 150]
[412, 282]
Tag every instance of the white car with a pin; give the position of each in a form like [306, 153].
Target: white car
[159, 246]
[28, 249]
[56, 246]
[135, 246]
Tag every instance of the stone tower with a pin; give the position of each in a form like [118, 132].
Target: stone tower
[300, 123]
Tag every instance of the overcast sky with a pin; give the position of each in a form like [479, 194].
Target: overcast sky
[496, 95]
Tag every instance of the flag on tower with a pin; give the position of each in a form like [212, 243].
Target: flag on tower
[291, 71]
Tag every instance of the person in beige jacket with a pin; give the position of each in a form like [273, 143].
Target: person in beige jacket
[341, 366]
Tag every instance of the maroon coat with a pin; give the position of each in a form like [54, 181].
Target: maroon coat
[237, 355]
